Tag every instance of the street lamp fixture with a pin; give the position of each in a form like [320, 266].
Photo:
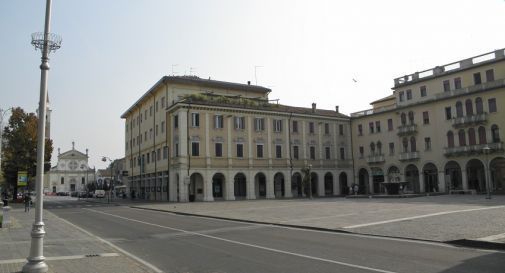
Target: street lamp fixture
[46, 42]
[104, 159]
[486, 151]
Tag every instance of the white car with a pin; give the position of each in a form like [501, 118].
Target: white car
[99, 193]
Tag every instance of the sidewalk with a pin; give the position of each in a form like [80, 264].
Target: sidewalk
[66, 248]
[458, 219]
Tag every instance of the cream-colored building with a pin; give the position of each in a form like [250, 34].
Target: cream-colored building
[442, 129]
[191, 139]
[70, 174]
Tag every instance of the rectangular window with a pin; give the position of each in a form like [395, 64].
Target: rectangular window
[240, 150]
[402, 95]
[163, 102]
[370, 128]
[195, 148]
[156, 106]
[240, 123]
[145, 114]
[312, 152]
[490, 75]
[427, 143]
[422, 90]
[219, 149]
[62, 181]
[176, 149]
[447, 86]
[311, 127]
[476, 78]
[162, 127]
[165, 152]
[391, 148]
[326, 128]
[378, 126]
[278, 151]
[426, 118]
[390, 124]
[409, 94]
[218, 121]
[176, 121]
[360, 130]
[341, 129]
[448, 113]
[134, 161]
[145, 135]
[148, 156]
[457, 83]
[327, 152]
[151, 111]
[342, 153]
[195, 119]
[277, 125]
[156, 130]
[151, 133]
[295, 126]
[259, 124]
[361, 152]
[296, 152]
[492, 105]
[259, 150]
[158, 154]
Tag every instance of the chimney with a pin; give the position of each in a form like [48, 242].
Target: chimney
[313, 107]
[248, 82]
[336, 108]
[59, 151]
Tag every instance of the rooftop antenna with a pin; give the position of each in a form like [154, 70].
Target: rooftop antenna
[255, 73]
[173, 70]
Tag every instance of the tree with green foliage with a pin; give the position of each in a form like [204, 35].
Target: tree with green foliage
[20, 148]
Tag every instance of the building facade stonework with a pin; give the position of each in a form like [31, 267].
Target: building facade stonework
[71, 173]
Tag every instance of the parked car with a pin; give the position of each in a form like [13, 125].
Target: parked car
[99, 193]
[74, 194]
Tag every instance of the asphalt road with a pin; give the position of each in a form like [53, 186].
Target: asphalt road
[175, 243]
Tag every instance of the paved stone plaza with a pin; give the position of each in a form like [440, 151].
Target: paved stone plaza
[436, 218]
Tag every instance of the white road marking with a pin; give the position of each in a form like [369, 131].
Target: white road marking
[59, 258]
[420, 216]
[152, 267]
[315, 218]
[247, 244]
[493, 238]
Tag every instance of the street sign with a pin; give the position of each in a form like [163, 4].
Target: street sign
[22, 178]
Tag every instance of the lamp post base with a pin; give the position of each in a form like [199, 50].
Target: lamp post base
[35, 266]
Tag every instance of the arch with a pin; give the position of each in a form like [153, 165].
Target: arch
[495, 133]
[403, 118]
[430, 173]
[482, 135]
[195, 187]
[377, 179]
[240, 186]
[412, 177]
[218, 185]
[471, 137]
[497, 174]
[462, 137]
[342, 179]
[476, 176]
[394, 174]
[363, 178]
[459, 109]
[469, 107]
[279, 190]
[296, 184]
[314, 179]
[328, 184]
[450, 139]
[479, 106]
[260, 185]
[453, 174]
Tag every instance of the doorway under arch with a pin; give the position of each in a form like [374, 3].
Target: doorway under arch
[260, 185]
[328, 184]
[240, 186]
[218, 185]
[453, 179]
[279, 185]
[430, 174]
[195, 187]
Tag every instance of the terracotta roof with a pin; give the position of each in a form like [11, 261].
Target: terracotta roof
[390, 97]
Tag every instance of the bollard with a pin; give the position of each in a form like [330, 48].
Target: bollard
[6, 221]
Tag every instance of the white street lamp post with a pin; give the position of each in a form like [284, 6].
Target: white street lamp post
[46, 42]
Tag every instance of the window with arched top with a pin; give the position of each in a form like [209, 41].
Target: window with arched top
[459, 109]
[450, 139]
[413, 144]
[405, 145]
[379, 147]
[482, 135]
[462, 137]
[372, 148]
[479, 106]
[495, 133]
[411, 117]
[403, 118]
[469, 107]
[471, 137]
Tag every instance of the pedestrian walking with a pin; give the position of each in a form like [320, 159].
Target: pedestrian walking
[27, 200]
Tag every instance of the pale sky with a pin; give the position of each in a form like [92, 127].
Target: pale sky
[308, 51]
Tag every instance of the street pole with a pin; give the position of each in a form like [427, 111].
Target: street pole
[46, 42]
[486, 170]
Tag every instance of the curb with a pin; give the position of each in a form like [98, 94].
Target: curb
[477, 244]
